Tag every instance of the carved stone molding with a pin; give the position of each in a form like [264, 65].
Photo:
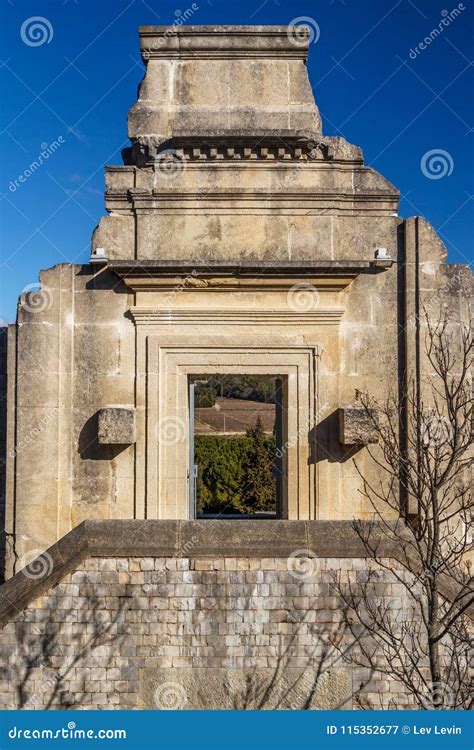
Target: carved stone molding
[253, 148]
[223, 42]
[163, 316]
[267, 147]
[238, 275]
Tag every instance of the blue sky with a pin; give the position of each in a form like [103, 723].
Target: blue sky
[76, 88]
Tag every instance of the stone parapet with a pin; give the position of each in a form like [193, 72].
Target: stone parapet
[203, 539]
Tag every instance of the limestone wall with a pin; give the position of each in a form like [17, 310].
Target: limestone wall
[74, 353]
[86, 341]
[271, 239]
[188, 632]
[80, 350]
[3, 442]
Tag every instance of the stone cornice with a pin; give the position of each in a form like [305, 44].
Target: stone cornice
[277, 268]
[268, 146]
[194, 539]
[298, 202]
[223, 42]
[329, 275]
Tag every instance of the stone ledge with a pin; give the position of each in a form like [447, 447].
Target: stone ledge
[219, 267]
[191, 539]
[201, 274]
[223, 42]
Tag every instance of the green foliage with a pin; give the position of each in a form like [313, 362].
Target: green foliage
[235, 474]
[258, 483]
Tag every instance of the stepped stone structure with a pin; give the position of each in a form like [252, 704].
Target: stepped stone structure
[239, 240]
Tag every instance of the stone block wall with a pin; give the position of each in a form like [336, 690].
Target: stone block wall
[3, 444]
[181, 632]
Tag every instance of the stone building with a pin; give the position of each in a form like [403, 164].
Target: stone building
[239, 240]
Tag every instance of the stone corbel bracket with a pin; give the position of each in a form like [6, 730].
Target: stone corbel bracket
[357, 426]
[281, 146]
[116, 425]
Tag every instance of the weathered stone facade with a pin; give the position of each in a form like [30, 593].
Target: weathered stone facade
[229, 247]
[238, 240]
[163, 614]
[186, 633]
[3, 441]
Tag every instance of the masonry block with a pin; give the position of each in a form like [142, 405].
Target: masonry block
[356, 426]
[116, 426]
